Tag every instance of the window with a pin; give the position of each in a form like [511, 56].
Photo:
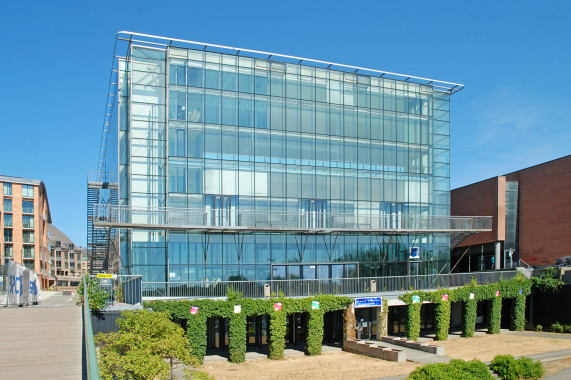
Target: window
[29, 265]
[28, 252]
[7, 189]
[58, 244]
[71, 246]
[8, 251]
[313, 212]
[7, 220]
[7, 236]
[28, 236]
[223, 210]
[7, 205]
[392, 214]
[27, 221]
[28, 207]
[27, 191]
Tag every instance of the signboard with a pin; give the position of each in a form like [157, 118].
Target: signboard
[415, 299]
[471, 296]
[104, 275]
[445, 297]
[521, 291]
[15, 286]
[414, 253]
[368, 302]
[277, 306]
[194, 310]
[497, 293]
[315, 305]
[237, 309]
[25, 286]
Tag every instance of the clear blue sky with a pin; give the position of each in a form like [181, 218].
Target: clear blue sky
[513, 57]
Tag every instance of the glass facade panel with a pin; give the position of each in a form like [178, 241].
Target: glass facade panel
[242, 134]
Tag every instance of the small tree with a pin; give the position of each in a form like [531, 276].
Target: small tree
[138, 351]
[97, 296]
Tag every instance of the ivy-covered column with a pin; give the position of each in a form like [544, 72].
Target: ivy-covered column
[278, 331]
[383, 317]
[469, 320]
[442, 320]
[237, 338]
[314, 338]
[413, 321]
[196, 334]
[518, 313]
[495, 317]
[349, 322]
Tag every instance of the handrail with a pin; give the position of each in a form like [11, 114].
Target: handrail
[91, 353]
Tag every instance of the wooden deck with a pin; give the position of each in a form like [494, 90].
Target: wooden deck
[42, 342]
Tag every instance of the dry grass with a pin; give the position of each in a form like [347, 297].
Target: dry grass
[485, 347]
[333, 365]
[555, 366]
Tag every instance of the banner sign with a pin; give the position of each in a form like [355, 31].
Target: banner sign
[237, 309]
[415, 299]
[104, 275]
[194, 310]
[471, 296]
[368, 302]
[497, 293]
[445, 297]
[315, 305]
[15, 286]
[34, 288]
[277, 306]
[26, 286]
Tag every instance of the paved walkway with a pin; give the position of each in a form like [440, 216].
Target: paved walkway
[42, 341]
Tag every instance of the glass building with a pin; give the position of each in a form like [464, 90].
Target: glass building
[243, 165]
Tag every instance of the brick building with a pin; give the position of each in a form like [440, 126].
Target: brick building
[531, 211]
[67, 258]
[25, 214]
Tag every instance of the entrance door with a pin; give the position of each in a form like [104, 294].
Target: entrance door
[366, 321]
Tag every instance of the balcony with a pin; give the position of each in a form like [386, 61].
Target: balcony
[236, 221]
[304, 288]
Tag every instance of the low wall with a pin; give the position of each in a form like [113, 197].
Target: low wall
[437, 350]
[374, 350]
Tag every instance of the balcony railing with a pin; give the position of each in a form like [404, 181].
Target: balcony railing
[231, 220]
[303, 288]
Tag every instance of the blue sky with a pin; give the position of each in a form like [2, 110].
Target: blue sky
[513, 57]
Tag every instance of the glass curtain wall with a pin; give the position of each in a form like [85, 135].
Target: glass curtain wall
[229, 133]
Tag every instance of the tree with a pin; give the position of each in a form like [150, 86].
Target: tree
[145, 347]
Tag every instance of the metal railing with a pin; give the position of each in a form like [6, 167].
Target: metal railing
[105, 215]
[303, 288]
[122, 289]
[91, 353]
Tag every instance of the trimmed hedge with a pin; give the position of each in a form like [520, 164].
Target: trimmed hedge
[495, 316]
[196, 323]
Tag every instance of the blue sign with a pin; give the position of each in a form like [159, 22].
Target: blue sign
[368, 302]
[414, 253]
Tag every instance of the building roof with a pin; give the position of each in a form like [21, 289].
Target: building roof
[57, 235]
[23, 181]
[516, 171]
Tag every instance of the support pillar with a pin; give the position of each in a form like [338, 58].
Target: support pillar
[497, 255]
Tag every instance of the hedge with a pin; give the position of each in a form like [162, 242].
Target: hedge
[518, 287]
[196, 323]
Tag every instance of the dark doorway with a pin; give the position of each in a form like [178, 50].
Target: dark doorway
[333, 326]
[397, 319]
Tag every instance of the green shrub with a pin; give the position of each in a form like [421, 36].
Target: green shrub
[539, 328]
[456, 369]
[557, 328]
[508, 368]
[97, 296]
[145, 347]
